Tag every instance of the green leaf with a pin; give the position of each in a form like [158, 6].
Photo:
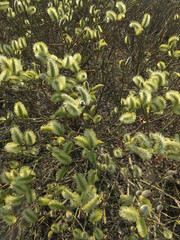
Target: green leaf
[14, 164]
[91, 138]
[61, 156]
[30, 195]
[55, 228]
[81, 182]
[126, 200]
[121, 7]
[137, 27]
[57, 127]
[30, 137]
[19, 187]
[91, 204]
[59, 83]
[86, 116]
[74, 197]
[81, 141]
[129, 213]
[29, 215]
[97, 87]
[97, 118]
[118, 153]
[53, 14]
[13, 200]
[16, 135]
[56, 205]
[12, 147]
[68, 146]
[146, 20]
[20, 110]
[24, 179]
[92, 176]
[141, 227]
[85, 96]
[128, 118]
[167, 234]
[92, 156]
[43, 201]
[77, 233]
[10, 219]
[137, 171]
[61, 172]
[98, 233]
[96, 216]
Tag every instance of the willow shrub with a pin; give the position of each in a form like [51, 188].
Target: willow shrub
[61, 63]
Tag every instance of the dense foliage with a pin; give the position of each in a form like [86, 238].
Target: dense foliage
[89, 119]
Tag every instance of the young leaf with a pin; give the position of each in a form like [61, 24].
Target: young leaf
[16, 135]
[121, 7]
[59, 83]
[118, 153]
[145, 210]
[137, 171]
[146, 20]
[43, 201]
[128, 118]
[20, 110]
[75, 199]
[145, 98]
[81, 141]
[85, 96]
[81, 182]
[137, 27]
[141, 152]
[52, 69]
[91, 138]
[167, 234]
[98, 233]
[97, 118]
[92, 176]
[73, 109]
[129, 213]
[91, 204]
[53, 14]
[126, 200]
[30, 195]
[77, 233]
[92, 156]
[12, 147]
[55, 228]
[111, 15]
[30, 137]
[61, 156]
[29, 215]
[10, 219]
[81, 76]
[61, 172]
[56, 205]
[13, 200]
[141, 227]
[96, 216]
[57, 127]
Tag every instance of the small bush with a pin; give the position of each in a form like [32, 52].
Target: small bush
[89, 105]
